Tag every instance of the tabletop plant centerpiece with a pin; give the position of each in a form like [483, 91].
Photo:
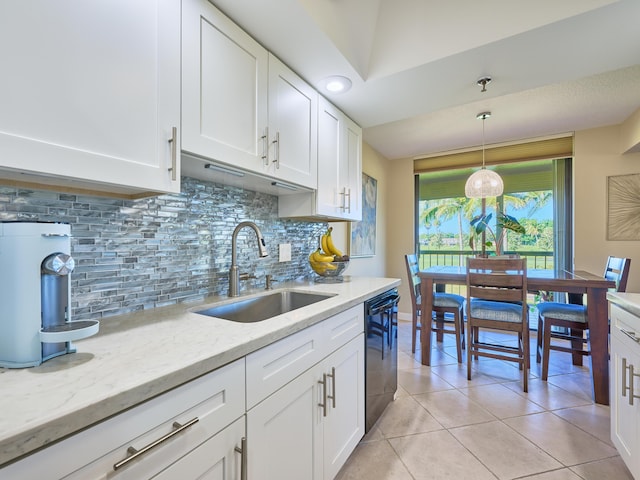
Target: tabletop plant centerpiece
[480, 225]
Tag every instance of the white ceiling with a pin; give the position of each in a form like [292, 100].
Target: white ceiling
[556, 66]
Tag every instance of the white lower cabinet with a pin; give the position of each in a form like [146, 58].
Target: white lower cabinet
[625, 387]
[308, 428]
[343, 427]
[211, 410]
[285, 432]
[290, 411]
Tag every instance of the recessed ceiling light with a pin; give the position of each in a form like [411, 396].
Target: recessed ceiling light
[336, 84]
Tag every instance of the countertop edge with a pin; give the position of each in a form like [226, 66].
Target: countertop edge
[627, 301]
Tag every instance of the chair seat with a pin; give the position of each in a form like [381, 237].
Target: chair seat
[445, 300]
[448, 300]
[500, 311]
[563, 311]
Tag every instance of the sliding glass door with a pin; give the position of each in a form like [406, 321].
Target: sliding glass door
[537, 194]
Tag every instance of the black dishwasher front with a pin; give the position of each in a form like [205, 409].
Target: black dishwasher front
[381, 359]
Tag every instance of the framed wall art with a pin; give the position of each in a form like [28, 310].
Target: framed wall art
[362, 241]
[623, 207]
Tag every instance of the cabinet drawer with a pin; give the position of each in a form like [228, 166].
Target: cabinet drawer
[215, 400]
[275, 365]
[217, 458]
[624, 320]
[341, 328]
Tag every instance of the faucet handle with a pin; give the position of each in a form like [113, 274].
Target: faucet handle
[246, 276]
[269, 280]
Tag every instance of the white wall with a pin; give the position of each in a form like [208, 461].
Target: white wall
[598, 154]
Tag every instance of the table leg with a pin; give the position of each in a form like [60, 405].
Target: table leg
[577, 299]
[426, 292]
[598, 318]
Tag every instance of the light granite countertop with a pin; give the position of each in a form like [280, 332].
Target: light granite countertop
[627, 301]
[137, 356]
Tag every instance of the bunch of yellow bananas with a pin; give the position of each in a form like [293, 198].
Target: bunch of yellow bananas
[326, 241]
[322, 260]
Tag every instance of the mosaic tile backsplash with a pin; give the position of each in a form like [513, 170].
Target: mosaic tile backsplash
[141, 254]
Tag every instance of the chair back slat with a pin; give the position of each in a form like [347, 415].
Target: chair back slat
[497, 279]
[617, 269]
[412, 273]
[496, 294]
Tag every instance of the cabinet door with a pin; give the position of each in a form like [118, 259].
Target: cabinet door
[339, 164]
[293, 127]
[90, 91]
[224, 89]
[284, 432]
[350, 170]
[215, 459]
[625, 410]
[329, 126]
[344, 423]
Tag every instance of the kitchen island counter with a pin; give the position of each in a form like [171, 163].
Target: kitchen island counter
[140, 355]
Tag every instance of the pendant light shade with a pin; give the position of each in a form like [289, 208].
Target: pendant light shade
[483, 183]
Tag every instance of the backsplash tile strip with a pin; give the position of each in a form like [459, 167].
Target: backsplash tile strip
[141, 254]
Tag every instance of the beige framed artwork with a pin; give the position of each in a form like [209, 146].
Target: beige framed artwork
[623, 207]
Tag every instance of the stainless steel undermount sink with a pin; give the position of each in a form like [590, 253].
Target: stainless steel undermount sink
[263, 307]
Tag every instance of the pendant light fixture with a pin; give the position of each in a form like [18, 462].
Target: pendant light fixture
[483, 183]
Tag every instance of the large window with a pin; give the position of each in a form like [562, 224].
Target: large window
[536, 194]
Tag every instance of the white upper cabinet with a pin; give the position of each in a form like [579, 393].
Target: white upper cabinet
[90, 94]
[224, 89]
[241, 106]
[339, 193]
[340, 161]
[293, 126]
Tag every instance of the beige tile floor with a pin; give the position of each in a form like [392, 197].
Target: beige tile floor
[442, 426]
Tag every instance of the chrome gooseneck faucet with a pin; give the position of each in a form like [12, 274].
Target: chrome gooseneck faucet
[234, 277]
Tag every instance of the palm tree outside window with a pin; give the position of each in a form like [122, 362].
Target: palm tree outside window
[536, 194]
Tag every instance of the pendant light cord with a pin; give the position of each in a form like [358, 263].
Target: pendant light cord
[483, 119]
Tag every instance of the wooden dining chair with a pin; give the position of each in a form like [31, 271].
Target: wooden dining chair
[448, 308]
[572, 318]
[497, 300]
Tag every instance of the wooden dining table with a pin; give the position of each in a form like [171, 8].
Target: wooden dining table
[578, 282]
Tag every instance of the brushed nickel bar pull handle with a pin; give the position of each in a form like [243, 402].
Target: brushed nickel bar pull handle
[277, 143]
[174, 154]
[179, 428]
[48, 235]
[631, 393]
[343, 194]
[624, 377]
[333, 386]
[242, 450]
[348, 194]
[324, 394]
[265, 147]
[631, 335]
[632, 374]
